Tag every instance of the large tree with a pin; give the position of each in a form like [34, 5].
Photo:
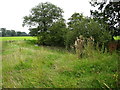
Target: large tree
[109, 13]
[41, 18]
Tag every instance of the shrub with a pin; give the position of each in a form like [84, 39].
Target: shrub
[55, 35]
[87, 27]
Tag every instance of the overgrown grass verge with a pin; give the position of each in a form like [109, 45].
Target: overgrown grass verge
[28, 66]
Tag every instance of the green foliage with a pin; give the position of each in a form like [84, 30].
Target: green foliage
[79, 25]
[23, 65]
[13, 33]
[18, 33]
[108, 14]
[44, 17]
[3, 31]
[55, 34]
[29, 66]
[8, 33]
[74, 20]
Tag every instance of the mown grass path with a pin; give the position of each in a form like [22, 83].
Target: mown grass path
[25, 65]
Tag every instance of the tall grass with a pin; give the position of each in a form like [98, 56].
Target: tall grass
[28, 66]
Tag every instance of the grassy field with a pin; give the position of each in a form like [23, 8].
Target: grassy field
[17, 38]
[33, 38]
[26, 65]
[116, 37]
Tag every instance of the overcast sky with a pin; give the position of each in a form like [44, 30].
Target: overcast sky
[13, 11]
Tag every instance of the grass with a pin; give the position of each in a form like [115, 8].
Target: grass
[17, 38]
[25, 65]
[0, 66]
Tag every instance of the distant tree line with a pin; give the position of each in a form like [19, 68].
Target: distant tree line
[7, 33]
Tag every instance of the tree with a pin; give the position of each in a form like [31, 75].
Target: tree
[8, 33]
[33, 31]
[18, 33]
[107, 13]
[79, 25]
[3, 31]
[23, 34]
[41, 18]
[74, 20]
[13, 33]
[56, 34]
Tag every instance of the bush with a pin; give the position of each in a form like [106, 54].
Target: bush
[87, 27]
[55, 35]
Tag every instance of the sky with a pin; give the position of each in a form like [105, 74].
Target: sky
[13, 11]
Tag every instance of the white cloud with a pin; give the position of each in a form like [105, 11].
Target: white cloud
[12, 11]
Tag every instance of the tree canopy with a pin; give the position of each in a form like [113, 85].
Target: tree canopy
[108, 14]
[46, 22]
[79, 25]
[41, 20]
[42, 17]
